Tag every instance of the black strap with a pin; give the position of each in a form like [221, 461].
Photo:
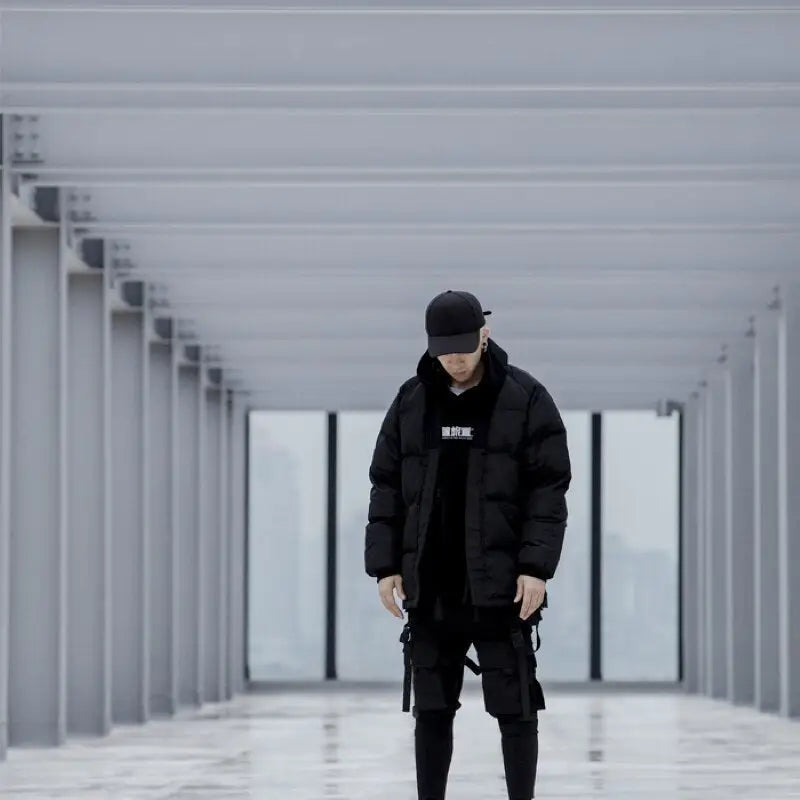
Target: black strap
[472, 665]
[405, 638]
[518, 641]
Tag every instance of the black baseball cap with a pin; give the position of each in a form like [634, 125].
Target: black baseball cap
[453, 321]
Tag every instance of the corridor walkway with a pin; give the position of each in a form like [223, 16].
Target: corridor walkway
[354, 744]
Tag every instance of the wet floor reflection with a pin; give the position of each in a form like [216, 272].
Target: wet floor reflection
[335, 744]
[594, 753]
[331, 755]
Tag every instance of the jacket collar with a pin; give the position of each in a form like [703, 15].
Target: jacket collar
[495, 360]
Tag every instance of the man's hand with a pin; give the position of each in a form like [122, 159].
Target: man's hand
[531, 591]
[386, 587]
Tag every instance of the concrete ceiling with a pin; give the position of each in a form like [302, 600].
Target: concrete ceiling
[619, 184]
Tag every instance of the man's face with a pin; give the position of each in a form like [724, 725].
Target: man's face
[460, 366]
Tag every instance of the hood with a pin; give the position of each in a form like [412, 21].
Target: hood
[432, 373]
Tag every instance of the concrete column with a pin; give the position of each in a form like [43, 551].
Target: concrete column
[765, 560]
[238, 527]
[5, 433]
[225, 537]
[789, 498]
[212, 546]
[175, 514]
[690, 579]
[719, 514]
[232, 638]
[739, 567]
[702, 537]
[37, 547]
[189, 587]
[163, 611]
[90, 630]
[201, 433]
[129, 392]
[708, 507]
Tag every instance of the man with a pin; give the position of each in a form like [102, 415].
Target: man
[466, 521]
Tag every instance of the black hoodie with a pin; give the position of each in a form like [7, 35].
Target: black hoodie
[462, 420]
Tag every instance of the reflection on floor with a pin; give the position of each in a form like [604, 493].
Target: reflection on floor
[351, 744]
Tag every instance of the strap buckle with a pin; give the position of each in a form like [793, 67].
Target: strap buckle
[405, 638]
[518, 640]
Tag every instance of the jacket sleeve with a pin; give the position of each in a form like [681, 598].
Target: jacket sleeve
[545, 476]
[386, 515]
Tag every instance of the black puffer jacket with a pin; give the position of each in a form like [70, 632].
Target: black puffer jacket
[517, 477]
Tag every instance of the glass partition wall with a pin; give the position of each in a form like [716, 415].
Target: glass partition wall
[286, 549]
[313, 612]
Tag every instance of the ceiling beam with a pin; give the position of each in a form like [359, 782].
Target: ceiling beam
[132, 231]
[516, 7]
[363, 139]
[116, 98]
[684, 253]
[377, 319]
[272, 288]
[364, 350]
[349, 45]
[346, 297]
[388, 175]
[595, 204]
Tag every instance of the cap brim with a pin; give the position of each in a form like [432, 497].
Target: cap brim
[460, 343]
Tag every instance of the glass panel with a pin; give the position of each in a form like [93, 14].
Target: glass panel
[287, 545]
[367, 646]
[564, 629]
[640, 546]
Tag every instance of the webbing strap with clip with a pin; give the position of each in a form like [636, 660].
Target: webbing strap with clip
[405, 638]
[518, 641]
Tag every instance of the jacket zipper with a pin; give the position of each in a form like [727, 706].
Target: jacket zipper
[433, 456]
[471, 460]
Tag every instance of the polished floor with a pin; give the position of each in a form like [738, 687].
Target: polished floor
[348, 744]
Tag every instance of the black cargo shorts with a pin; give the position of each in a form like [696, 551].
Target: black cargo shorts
[436, 656]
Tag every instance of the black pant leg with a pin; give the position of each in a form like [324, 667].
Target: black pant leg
[520, 745]
[519, 737]
[440, 678]
[433, 750]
